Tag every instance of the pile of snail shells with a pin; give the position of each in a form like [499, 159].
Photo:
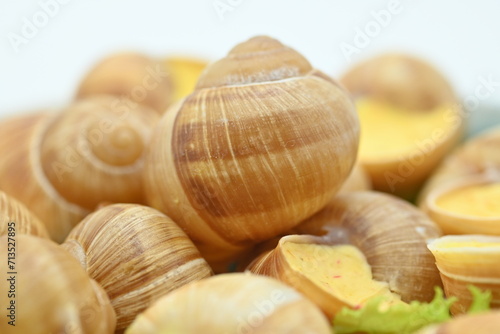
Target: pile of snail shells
[265, 146]
[390, 232]
[248, 145]
[66, 162]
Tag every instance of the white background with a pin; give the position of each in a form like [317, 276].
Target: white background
[461, 38]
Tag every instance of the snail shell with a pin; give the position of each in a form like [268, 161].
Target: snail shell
[391, 233]
[53, 293]
[328, 271]
[262, 143]
[69, 162]
[25, 222]
[470, 206]
[137, 254]
[232, 303]
[401, 80]
[479, 155]
[465, 260]
[138, 78]
[410, 119]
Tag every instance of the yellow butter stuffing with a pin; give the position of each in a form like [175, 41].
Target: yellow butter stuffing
[184, 73]
[469, 244]
[388, 132]
[340, 270]
[480, 200]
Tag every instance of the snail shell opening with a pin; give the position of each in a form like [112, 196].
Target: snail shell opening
[466, 206]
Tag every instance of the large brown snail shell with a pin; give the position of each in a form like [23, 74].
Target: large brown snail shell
[262, 143]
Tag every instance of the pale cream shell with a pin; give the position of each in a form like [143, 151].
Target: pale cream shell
[484, 323]
[136, 76]
[232, 303]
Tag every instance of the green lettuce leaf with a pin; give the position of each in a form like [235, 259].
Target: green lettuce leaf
[377, 316]
[480, 300]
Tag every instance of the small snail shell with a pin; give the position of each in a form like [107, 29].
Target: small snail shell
[262, 143]
[53, 294]
[390, 232]
[19, 217]
[137, 254]
[66, 163]
[465, 260]
[132, 75]
[484, 323]
[410, 119]
[329, 272]
[232, 303]
[469, 205]
[479, 155]
[400, 80]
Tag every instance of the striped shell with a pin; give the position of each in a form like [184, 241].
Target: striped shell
[465, 260]
[262, 143]
[390, 232]
[137, 254]
[14, 214]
